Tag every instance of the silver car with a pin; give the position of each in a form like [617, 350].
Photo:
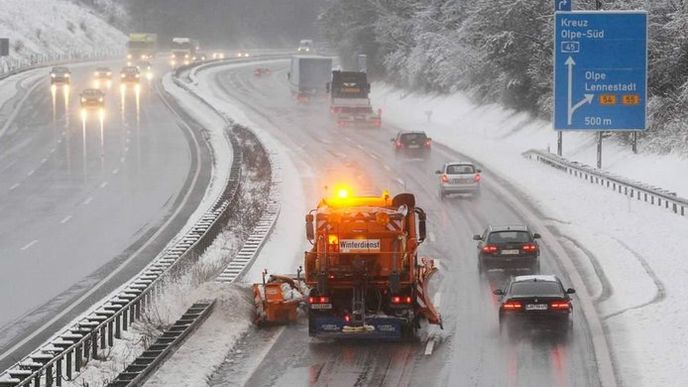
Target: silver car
[459, 177]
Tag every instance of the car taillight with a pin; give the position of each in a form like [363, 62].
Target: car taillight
[560, 305]
[428, 143]
[489, 249]
[398, 144]
[445, 178]
[529, 247]
[512, 305]
[476, 178]
[319, 300]
[402, 300]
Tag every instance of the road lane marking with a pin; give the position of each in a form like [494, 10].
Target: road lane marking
[104, 184]
[359, 146]
[387, 167]
[66, 219]
[398, 180]
[31, 172]
[45, 160]
[14, 186]
[373, 156]
[437, 299]
[87, 201]
[121, 159]
[348, 139]
[429, 347]
[431, 236]
[33, 242]
[115, 171]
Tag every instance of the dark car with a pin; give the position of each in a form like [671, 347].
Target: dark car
[60, 75]
[534, 301]
[416, 144]
[508, 247]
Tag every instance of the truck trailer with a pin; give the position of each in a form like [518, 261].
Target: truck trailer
[308, 76]
[349, 100]
[183, 51]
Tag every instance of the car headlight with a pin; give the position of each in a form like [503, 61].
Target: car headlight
[186, 56]
[122, 75]
[52, 75]
[83, 99]
[109, 73]
[67, 75]
[129, 56]
[100, 99]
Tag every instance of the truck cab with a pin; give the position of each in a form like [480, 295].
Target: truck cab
[305, 46]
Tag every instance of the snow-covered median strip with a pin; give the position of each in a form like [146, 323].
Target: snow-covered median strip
[636, 246]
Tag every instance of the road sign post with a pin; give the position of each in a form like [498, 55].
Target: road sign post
[600, 70]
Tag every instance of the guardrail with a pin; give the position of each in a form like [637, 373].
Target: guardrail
[70, 350]
[12, 66]
[635, 190]
[138, 371]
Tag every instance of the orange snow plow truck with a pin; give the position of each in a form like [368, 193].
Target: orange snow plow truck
[363, 272]
[363, 277]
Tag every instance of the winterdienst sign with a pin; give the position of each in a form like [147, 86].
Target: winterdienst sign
[600, 70]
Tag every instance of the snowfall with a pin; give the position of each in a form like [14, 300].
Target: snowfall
[631, 263]
[631, 275]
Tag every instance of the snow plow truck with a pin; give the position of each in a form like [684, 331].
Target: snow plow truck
[363, 277]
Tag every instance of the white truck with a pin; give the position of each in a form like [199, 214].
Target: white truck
[308, 76]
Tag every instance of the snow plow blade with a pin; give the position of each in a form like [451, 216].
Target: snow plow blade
[277, 299]
[427, 309]
[379, 328]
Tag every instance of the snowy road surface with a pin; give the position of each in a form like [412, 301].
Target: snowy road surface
[77, 200]
[471, 351]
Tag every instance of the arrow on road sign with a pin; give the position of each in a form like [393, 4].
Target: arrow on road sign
[587, 99]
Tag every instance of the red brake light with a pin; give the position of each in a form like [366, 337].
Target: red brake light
[398, 144]
[512, 305]
[319, 300]
[347, 318]
[476, 177]
[489, 249]
[445, 178]
[402, 300]
[560, 305]
[529, 247]
[428, 142]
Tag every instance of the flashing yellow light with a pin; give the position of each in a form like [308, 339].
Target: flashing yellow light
[342, 193]
[332, 239]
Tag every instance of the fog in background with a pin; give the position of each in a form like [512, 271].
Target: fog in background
[228, 23]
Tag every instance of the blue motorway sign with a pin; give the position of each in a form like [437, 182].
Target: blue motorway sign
[600, 70]
[562, 5]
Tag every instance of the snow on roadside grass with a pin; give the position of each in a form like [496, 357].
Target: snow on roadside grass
[55, 27]
[178, 296]
[637, 245]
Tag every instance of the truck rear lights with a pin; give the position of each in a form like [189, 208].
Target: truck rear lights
[476, 178]
[402, 300]
[489, 249]
[445, 178]
[529, 247]
[512, 305]
[319, 300]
